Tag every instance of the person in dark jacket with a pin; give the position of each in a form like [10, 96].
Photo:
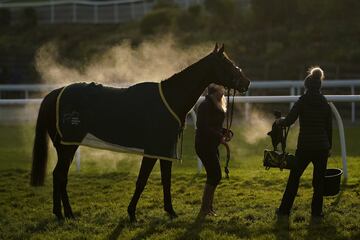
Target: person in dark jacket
[209, 134]
[314, 142]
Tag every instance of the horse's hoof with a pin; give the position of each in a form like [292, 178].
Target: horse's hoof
[69, 216]
[172, 214]
[131, 214]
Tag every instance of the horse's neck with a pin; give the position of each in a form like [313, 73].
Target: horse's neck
[183, 89]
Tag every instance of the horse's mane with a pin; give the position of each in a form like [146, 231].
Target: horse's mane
[228, 58]
[186, 70]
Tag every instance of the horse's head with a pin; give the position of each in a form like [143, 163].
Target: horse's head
[227, 73]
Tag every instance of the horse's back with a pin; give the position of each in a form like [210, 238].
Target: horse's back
[134, 117]
[101, 110]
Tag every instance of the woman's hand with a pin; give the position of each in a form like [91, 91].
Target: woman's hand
[227, 135]
[223, 140]
[279, 120]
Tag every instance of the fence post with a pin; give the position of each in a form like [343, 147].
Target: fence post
[292, 93]
[194, 119]
[247, 108]
[132, 11]
[144, 7]
[299, 91]
[353, 114]
[116, 13]
[95, 13]
[74, 19]
[342, 138]
[52, 12]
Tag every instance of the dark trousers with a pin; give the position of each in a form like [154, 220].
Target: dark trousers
[209, 156]
[303, 158]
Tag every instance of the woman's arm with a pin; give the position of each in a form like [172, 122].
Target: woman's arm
[292, 115]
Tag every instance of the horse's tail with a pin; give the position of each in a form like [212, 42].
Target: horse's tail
[40, 150]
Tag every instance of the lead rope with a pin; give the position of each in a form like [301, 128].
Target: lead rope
[229, 118]
[284, 135]
[181, 142]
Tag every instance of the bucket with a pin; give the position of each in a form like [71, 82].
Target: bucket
[332, 181]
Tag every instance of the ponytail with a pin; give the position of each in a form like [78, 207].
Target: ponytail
[314, 79]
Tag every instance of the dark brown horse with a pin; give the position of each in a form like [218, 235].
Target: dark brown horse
[181, 92]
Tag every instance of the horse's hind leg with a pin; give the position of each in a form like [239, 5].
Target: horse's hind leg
[147, 165]
[165, 167]
[60, 173]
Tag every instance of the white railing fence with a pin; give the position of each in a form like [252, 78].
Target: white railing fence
[292, 99]
[244, 99]
[295, 87]
[75, 11]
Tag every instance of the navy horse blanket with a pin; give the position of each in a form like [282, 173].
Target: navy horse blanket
[134, 120]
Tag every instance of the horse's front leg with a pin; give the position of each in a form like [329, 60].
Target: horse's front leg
[165, 167]
[147, 165]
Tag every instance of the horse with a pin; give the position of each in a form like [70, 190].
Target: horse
[178, 95]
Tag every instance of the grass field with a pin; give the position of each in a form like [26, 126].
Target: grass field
[100, 192]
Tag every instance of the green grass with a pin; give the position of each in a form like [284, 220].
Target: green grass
[100, 192]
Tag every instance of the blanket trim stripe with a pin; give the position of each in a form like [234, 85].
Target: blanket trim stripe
[168, 106]
[124, 151]
[58, 111]
[129, 152]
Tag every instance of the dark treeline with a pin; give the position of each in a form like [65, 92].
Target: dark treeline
[272, 39]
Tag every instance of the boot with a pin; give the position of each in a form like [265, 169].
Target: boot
[206, 200]
[212, 211]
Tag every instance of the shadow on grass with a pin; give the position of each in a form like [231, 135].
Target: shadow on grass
[343, 187]
[193, 229]
[194, 178]
[282, 228]
[43, 225]
[318, 228]
[118, 176]
[233, 227]
[150, 228]
[124, 222]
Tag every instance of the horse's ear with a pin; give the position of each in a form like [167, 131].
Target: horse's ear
[216, 48]
[221, 51]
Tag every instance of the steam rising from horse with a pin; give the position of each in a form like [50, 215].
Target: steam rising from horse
[179, 92]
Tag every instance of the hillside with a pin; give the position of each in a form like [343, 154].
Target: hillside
[276, 44]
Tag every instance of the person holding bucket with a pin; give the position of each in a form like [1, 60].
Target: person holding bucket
[209, 134]
[314, 142]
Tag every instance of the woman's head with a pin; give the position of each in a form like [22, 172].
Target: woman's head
[314, 79]
[216, 90]
[216, 93]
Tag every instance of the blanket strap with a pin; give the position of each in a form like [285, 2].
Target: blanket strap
[168, 106]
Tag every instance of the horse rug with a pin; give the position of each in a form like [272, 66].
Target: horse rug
[134, 120]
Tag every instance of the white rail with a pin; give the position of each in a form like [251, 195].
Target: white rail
[77, 11]
[62, 2]
[245, 99]
[254, 85]
[286, 99]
